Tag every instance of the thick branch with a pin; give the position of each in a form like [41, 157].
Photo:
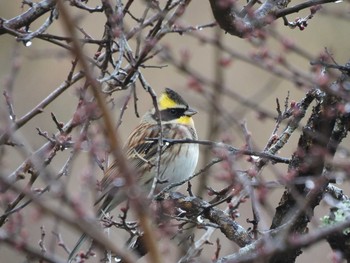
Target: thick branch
[242, 23]
[194, 206]
[25, 19]
[231, 21]
[320, 139]
[253, 252]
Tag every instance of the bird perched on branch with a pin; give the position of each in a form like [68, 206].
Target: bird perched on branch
[177, 161]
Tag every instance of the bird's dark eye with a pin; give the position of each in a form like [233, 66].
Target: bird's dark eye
[173, 111]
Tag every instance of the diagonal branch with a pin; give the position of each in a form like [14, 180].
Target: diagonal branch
[25, 19]
[243, 23]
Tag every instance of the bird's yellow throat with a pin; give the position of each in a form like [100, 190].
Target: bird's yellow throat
[186, 120]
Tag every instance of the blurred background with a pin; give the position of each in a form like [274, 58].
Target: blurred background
[42, 67]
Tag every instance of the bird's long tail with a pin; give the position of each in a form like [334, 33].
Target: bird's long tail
[77, 246]
[109, 202]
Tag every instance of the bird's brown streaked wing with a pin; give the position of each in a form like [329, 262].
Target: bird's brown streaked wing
[138, 150]
[142, 154]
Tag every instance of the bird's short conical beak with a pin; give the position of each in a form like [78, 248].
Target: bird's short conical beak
[190, 112]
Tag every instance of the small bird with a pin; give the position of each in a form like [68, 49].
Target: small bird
[177, 161]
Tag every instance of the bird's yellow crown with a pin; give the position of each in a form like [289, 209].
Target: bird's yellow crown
[165, 102]
[170, 100]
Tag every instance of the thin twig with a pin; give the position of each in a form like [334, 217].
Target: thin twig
[229, 148]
